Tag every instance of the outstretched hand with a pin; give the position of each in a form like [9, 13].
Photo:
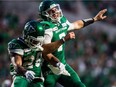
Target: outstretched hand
[100, 15]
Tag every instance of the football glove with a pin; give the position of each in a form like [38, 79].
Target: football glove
[60, 69]
[38, 48]
[29, 75]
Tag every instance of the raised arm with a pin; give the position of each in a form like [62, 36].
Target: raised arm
[82, 23]
[51, 47]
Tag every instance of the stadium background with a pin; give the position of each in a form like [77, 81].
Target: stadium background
[92, 54]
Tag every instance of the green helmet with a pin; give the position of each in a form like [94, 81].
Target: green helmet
[49, 10]
[33, 33]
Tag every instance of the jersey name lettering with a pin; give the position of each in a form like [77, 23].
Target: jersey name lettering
[61, 29]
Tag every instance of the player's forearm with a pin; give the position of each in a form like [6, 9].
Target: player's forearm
[51, 47]
[17, 63]
[51, 59]
[83, 23]
[20, 70]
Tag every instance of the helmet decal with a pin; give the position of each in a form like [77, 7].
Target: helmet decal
[30, 28]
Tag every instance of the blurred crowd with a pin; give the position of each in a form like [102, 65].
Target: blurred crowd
[92, 54]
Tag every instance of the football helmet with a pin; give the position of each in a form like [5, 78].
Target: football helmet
[49, 10]
[33, 34]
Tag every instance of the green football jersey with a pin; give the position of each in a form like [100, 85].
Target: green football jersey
[31, 59]
[55, 32]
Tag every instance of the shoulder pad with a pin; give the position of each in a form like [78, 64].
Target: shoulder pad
[47, 24]
[63, 19]
[13, 44]
[15, 47]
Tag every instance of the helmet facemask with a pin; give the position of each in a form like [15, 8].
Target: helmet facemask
[53, 13]
[34, 42]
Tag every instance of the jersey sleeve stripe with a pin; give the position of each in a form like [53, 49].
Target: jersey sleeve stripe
[17, 51]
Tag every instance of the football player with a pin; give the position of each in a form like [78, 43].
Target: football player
[57, 27]
[26, 55]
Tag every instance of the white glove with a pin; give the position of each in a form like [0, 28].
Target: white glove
[60, 69]
[38, 48]
[30, 75]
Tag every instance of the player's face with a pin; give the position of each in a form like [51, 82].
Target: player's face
[36, 41]
[54, 13]
[33, 41]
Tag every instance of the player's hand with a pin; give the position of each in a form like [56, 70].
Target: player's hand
[100, 15]
[29, 75]
[60, 69]
[70, 35]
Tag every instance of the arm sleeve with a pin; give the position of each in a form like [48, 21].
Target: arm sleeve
[48, 36]
[17, 51]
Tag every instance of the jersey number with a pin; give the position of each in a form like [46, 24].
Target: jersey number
[32, 61]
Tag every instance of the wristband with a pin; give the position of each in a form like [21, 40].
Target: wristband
[88, 21]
